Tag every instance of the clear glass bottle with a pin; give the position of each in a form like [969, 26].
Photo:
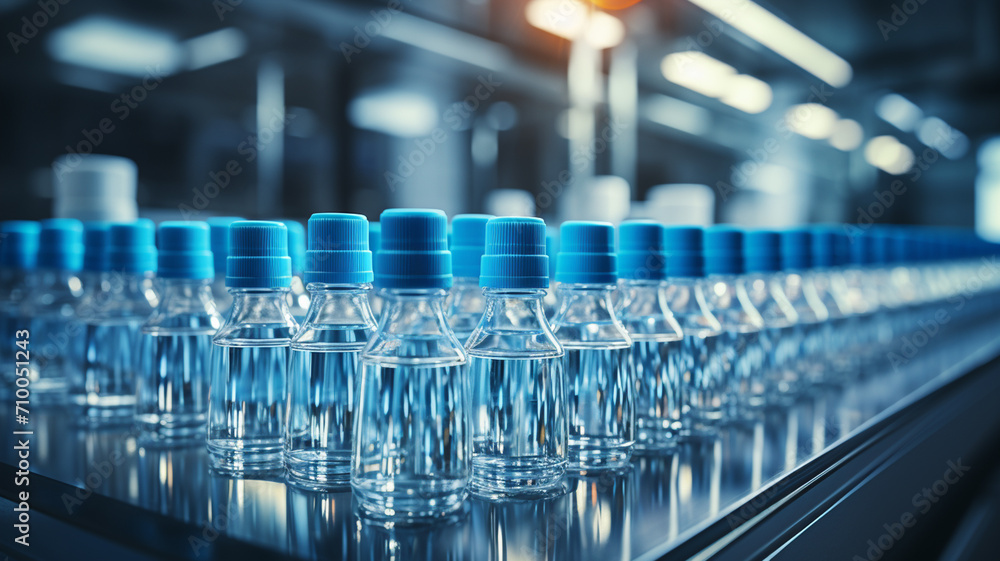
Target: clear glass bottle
[743, 349]
[829, 250]
[865, 302]
[762, 262]
[298, 295]
[703, 383]
[655, 360]
[519, 414]
[412, 448]
[600, 386]
[466, 302]
[18, 259]
[219, 230]
[176, 340]
[247, 402]
[326, 352]
[52, 305]
[111, 359]
[802, 340]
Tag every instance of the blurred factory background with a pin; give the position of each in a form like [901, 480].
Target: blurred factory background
[766, 113]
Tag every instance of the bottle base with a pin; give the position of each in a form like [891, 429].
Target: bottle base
[598, 453]
[94, 409]
[318, 470]
[518, 478]
[170, 429]
[238, 457]
[413, 501]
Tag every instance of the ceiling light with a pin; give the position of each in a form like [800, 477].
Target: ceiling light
[115, 46]
[776, 34]
[573, 19]
[940, 136]
[811, 120]
[215, 47]
[676, 114]
[748, 94]
[899, 112]
[889, 155]
[847, 135]
[401, 113]
[698, 72]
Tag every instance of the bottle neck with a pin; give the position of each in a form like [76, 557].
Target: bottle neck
[339, 304]
[260, 305]
[413, 311]
[172, 290]
[645, 312]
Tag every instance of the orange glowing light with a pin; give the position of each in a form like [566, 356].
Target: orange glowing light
[614, 4]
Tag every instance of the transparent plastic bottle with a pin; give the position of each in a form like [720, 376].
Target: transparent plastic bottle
[762, 262]
[298, 295]
[219, 226]
[52, 306]
[742, 348]
[805, 364]
[465, 303]
[655, 360]
[176, 340]
[829, 254]
[703, 383]
[412, 449]
[519, 412]
[111, 359]
[247, 403]
[600, 386]
[326, 352]
[18, 259]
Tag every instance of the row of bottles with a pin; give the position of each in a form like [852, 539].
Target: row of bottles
[465, 372]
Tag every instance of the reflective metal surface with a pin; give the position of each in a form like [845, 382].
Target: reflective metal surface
[639, 512]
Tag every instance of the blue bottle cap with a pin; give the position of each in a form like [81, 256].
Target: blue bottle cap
[515, 254]
[587, 253]
[862, 248]
[132, 246]
[682, 245]
[184, 251]
[552, 248]
[258, 255]
[338, 249]
[723, 249]
[296, 245]
[640, 250]
[219, 226]
[60, 244]
[841, 247]
[468, 243]
[414, 250]
[761, 251]
[882, 246]
[374, 241]
[96, 250]
[823, 247]
[795, 249]
[19, 244]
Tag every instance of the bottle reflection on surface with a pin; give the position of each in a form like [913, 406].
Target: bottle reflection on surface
[173, 482]
[106, 465]
[447, 539]
[655, 517]
[742, 453]
[252, 510]
[321, 525]
[534, 530]
[699, 478]
[601, 515]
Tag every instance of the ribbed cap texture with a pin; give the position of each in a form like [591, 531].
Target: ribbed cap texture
[587, 253]
[414, 250]
[258, 255]
[219, 226]
[515, 254]
[761, 251]
[296, 245]
[338, 249]
[796, 249]
[96, 250]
